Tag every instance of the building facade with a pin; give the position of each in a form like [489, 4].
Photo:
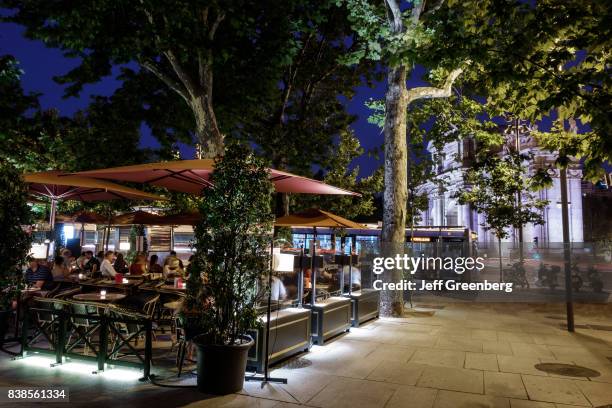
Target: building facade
[456, 157]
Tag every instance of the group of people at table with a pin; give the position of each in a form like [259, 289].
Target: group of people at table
[108, 264]
[42, 275]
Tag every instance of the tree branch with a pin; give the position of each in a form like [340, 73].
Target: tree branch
[433, 8]
[184, 77]
[170, 82]
[215, 25]
[429, 92]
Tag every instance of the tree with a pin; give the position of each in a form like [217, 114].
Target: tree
[338, 173]
[231, 247]
[201, 50]
[298, 123]
[15, 240]
[105, 134]
[397, 37]
[491, 189]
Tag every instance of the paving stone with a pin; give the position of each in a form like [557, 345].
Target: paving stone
[453, 379]
[504, 385]
[449, 399]
[437, 357]
[556, 390]
[481, 361]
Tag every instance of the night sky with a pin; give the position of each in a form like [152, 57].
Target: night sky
[40, 64]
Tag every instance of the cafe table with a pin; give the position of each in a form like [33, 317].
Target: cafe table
[96, 297]
[172, 287]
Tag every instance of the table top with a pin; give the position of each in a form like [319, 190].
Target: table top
[110, 297]
[170, 287]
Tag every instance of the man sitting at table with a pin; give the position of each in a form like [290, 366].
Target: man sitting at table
[107, 265]
[39, 275]
[91, 264]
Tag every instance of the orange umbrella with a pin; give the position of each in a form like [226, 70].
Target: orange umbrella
[136, 218]
[190, 218]
[316, 218]
[191, 176]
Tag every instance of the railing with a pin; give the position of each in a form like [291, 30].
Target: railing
[65, 330]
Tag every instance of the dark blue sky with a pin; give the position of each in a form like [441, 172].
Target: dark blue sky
[40, 64]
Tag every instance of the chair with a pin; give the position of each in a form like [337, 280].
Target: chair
[134, 330]
[181, 340]
[47, 318]
[85, 323]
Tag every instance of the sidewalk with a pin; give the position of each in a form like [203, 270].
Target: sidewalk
[443, 355]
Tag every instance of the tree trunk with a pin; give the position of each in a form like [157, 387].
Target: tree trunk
[395, 193]
[207, 131]
[501, 267]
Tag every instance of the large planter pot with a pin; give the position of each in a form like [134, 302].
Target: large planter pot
[221, 367]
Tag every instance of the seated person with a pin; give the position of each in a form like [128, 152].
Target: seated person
[120, 264]
[59, 271]
[278, 289]
[173, 266]
[39, 276]
[91, 264]
[80, 261]
[154, 267]
[139, 266]
[106, 267]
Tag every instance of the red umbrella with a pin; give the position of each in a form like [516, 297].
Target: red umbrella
[136, 218]
[191, 176]
[73, 187]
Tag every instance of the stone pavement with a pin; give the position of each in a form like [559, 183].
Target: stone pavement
[449, 355]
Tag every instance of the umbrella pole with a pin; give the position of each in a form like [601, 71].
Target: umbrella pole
[107, 235]
[82, 235]
[265, 379]
[313, 272]
[342, 243]
[301, 279]
[52, 225]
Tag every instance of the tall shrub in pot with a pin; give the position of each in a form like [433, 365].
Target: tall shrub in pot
[231, 245]
[15, 242]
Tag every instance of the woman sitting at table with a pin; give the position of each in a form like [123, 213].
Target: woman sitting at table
[139, 266]
[59, 271]
[154, 267]
[106, 268]
[173, 267]
[120, 265]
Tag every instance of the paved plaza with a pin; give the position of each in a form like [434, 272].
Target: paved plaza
[440, 355]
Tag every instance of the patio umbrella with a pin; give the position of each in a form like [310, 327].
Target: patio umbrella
[191, 176]
[83, 217]
[55, 187]
[314, 218]
[136, 218]
[190, 218]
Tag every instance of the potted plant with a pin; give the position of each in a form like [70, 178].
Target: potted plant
[231, 255]
[15, 241]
